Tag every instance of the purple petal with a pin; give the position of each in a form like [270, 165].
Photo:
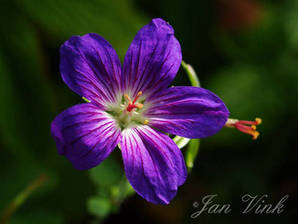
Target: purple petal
[153, 164]
[190, 112]
[91, 68]
[152, 60]
[85, 135]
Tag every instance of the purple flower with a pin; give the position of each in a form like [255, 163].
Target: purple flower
[132, 105]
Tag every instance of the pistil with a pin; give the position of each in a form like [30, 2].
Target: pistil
[133, 104]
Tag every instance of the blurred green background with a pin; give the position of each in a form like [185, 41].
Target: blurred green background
[246, 51]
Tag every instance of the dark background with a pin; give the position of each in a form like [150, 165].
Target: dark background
[246, 51]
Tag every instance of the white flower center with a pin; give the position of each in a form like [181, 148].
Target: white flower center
[128, 113]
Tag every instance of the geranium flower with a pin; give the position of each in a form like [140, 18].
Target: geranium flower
[133, 106]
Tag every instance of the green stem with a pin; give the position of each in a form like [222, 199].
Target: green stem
[193, 144]
[125, 190]
[193, 78]
[192, 152]
[21, 198]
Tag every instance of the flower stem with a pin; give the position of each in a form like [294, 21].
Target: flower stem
[193, 78]
[193, 144]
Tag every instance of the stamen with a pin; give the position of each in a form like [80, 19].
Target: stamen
[127, 98]
[248, 127]
[84, 98]
[258, 120]
[139, 105]
[146, 122]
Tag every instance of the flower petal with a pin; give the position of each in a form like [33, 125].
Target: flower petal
[91, 68]
[153, 164]
[190, 112]
[152, 60]
[85, 135]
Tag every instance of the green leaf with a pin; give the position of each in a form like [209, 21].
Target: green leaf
[121, 191]
[107, 174]
[112, 188]
[99, 206]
